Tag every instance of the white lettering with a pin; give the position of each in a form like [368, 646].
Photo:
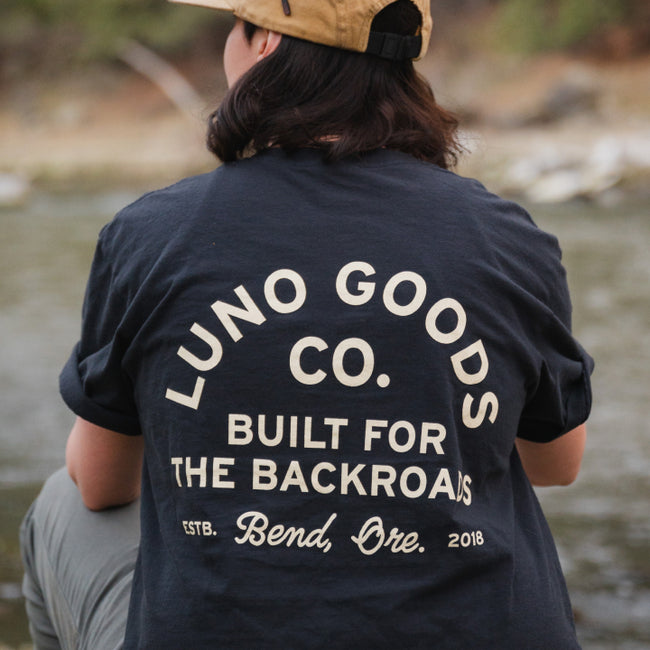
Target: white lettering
[279, 431]
[199, 471]
[431, 434]
[435, 440]
[309, 379]
[372, 433]
[383, 476]
[368, 362]
[416, 302]
[443, 484]
[191, 401]
[431, 322]
[249, 313]
[299, 288]
[301, 431]
[315, 478]
[264, 474]
[457, 360]
[214, 344]
[256, 532]
[295, 477]
[365, 289]
[219, 473]
[336, 424]
[488, 400]
[239, 429]
[372, 537]
[309, 443]
[422, 482]
[402, 425]
[467, 493]
[348, 477]
[177, 462]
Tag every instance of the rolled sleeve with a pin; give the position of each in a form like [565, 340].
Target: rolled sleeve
[561, 396]
[83, 397]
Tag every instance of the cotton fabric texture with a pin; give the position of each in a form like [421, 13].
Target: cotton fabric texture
[343, 24]
[330, 364]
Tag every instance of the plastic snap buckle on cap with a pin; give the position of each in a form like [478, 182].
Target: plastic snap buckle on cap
[393, 46]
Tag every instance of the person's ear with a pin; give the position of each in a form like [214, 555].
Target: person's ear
[268, 44]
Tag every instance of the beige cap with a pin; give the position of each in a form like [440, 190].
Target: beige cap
[339, 23]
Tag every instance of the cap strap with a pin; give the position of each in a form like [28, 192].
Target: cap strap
[394, 46]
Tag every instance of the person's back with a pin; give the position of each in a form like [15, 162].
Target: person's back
[330, 385]
[330, 348]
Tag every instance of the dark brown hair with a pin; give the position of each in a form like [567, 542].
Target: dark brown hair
[343, 103]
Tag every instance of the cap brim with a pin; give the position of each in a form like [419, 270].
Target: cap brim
[211, 4]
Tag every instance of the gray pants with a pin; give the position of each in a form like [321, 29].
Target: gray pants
[78, 569]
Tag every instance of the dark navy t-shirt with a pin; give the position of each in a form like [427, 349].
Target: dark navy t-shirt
[330, 364]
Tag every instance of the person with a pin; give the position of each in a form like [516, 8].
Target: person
[323, 376]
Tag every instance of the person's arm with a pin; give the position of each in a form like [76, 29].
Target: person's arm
[105, 465]
[553, 463]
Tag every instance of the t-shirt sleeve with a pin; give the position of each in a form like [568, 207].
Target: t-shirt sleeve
[94, 383]
[561, 398]
[559, 393]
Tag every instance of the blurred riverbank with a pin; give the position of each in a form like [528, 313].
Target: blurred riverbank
[544, 129]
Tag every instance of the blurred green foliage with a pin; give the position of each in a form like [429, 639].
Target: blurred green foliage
[91, 30]
[52, 33]
[536, 25]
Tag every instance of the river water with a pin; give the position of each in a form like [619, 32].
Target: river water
[601, 523]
